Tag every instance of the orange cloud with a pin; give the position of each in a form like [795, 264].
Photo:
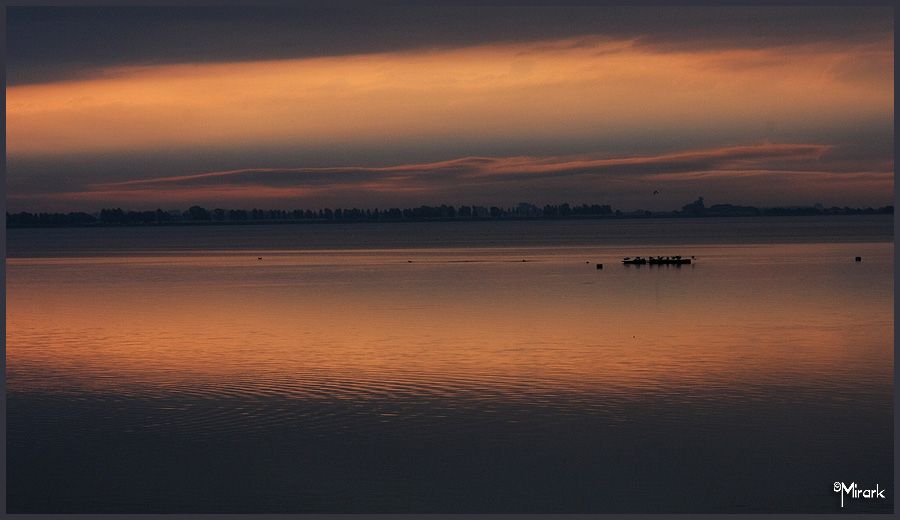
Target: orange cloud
[552, 89]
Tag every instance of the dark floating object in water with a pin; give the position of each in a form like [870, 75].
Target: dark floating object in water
[859, 259]
[599, 266]
[409, 261]
[259, 258]
[523, 259]
[657, 260]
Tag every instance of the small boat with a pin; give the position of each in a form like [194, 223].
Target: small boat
[669, 260]
[656, 260]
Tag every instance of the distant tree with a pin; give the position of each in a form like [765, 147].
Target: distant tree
[80, 218]
[197, 213]
[112, 216]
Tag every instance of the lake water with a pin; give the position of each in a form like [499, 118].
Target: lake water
[428, 368]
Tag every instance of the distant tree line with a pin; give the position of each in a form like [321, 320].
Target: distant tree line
[699, 209]
[524, 210]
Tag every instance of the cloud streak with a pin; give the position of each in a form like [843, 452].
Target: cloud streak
[477, 170]
[757, 169]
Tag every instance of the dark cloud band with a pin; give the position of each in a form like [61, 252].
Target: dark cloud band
[52, 43]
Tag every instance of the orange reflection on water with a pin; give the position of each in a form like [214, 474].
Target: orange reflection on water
[363, 325]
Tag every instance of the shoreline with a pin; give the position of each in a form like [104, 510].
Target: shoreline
[660, 216]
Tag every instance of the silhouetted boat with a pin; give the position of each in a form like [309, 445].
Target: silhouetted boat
[669, 261]
[658, 260]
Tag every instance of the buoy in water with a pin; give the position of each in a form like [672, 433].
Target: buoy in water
[859, 259]
[599, 266]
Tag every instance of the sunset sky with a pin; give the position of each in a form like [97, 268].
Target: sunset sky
[402, 106]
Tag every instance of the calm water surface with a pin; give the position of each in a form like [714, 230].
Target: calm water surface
[427, 368]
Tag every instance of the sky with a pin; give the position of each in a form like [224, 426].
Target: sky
[403, 105]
